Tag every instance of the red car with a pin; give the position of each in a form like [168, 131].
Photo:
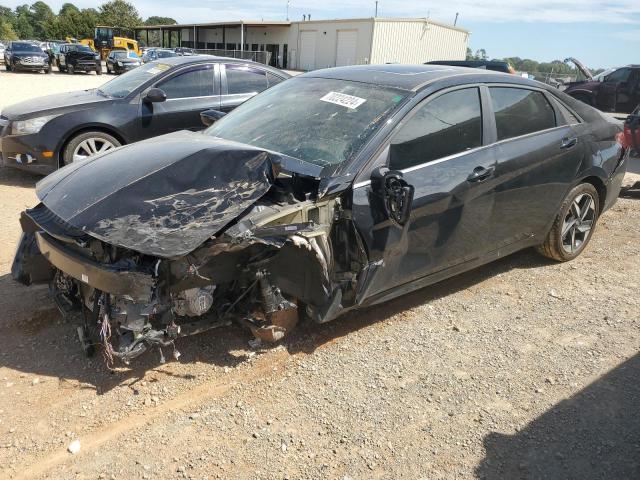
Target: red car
[631, 134]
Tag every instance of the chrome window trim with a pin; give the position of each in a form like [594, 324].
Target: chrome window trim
[460, 154]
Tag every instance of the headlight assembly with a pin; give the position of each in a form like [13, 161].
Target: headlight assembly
[32, 125]
[119, 63]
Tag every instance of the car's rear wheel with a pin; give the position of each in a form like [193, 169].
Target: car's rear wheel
[573, 227]
[87, 145]
[7, 66]
[70, 69]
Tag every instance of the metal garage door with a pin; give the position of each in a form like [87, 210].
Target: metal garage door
[346, 49]
[308, 49]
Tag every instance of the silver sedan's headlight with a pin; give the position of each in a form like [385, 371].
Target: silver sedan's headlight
[119, 63]
[32, 125]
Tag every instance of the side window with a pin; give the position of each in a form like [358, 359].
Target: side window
[449, 124]
[519, 111]
[572, 119]
[195, 82]
[619, 76]
[273, 79]
[241, 79]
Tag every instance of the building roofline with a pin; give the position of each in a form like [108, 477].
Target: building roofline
[277, 23]
[235, 23]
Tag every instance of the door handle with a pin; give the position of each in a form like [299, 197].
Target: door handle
[480, 174]
[568, 142]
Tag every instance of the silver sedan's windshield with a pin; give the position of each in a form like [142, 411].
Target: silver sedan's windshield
[317, 120]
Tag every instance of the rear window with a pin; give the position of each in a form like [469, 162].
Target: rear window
[519, 111]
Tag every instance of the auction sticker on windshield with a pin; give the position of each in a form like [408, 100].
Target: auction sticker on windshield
[343, 99]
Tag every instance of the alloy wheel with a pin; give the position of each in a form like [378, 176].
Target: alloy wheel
[578, 222]
[91, 147]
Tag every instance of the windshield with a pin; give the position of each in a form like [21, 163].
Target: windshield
[166, 54]
[317, 120]
[25, 47]
[119, 54]
[84, 48]
[126, 83]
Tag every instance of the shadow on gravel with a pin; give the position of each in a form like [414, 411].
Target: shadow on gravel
[632, 191]
[35, 338]
[12, 177]
[593, 435]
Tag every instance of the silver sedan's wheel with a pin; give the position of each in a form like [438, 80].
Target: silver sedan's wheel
[87, 145]
[91, 147]
[574, 225]
[578, 223]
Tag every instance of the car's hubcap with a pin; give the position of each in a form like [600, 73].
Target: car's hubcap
[91, 147]
[578, 223]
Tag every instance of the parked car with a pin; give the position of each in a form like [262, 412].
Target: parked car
[47, 132]
[157, 53]
[119, 61]
[494, 65]
[334, 190]
[619, 91]
[185, 51]
[75, 57]
[26, 56]
[632, 131]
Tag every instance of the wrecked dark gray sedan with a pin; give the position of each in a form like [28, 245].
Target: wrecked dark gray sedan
[334, 190]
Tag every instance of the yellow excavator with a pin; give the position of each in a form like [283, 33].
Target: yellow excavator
[106, 39]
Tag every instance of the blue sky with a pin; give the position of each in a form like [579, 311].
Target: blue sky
[598, 32]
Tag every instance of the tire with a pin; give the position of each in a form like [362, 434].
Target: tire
[99, 71]
[49, 69]
[108, 70]
[70, 69]
[7, 67]
[568, 237]
[77, 148]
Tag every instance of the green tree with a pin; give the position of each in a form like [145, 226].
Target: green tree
[6, 30]
[22, 23]
[160, 21]
[43, 20]
[118, 13]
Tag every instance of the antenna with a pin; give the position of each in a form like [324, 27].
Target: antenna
[456, 20]
[376, 14]
[288, 10]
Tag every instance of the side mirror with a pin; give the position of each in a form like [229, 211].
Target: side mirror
[155, 95]
[394, 192]
[209, 117]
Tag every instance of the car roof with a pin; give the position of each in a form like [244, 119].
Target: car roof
[415, 77]
[178, 60]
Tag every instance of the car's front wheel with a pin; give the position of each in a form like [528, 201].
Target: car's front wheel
[574, 225]
[87, 145]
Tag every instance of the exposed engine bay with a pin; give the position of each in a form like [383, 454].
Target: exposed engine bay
[263, 270]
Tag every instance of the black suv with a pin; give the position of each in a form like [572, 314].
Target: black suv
[75, 57]
[160, 97]
[26, 56]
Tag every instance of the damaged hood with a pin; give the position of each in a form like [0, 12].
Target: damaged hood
[164, 196]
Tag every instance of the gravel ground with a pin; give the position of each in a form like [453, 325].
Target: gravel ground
[521, 369]
[17, 86]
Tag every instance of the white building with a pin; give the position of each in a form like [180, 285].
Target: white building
[309, 45]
